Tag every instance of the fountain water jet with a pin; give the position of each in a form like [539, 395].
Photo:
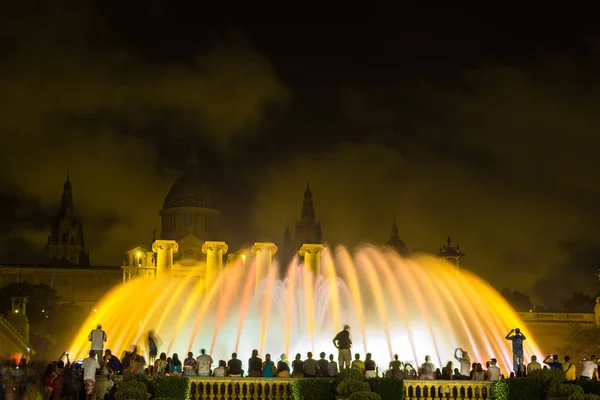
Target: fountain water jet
[413, 307]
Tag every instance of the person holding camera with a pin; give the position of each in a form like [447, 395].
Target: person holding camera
[517, 338]
[552, 362]
[590, 369]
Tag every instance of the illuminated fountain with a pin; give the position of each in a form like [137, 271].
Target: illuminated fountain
[413, 307]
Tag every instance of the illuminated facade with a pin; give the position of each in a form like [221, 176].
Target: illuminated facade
[189, 215]
[189, 219]
[66, 244]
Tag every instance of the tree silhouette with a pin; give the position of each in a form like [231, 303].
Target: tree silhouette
[581, 341]
[579, 303]
[519, 301]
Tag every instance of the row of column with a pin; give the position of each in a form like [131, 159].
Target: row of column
[215, 251]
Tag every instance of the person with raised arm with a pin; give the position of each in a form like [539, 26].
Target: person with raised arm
[465, 363]
[517, 338]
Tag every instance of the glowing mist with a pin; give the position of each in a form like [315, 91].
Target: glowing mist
[410, 307]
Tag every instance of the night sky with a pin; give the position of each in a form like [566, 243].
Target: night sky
[482, 126]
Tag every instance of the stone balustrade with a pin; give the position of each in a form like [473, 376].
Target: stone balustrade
[427, 390]
[557, 317]
[211, 388]
[240, 388]
[280, 388]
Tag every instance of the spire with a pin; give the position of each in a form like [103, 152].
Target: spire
[308, 228]
[308, 208]
[66, 243]
[395, 242]
[66, 200]
[191, 164]
[394, 228]
[287, 229]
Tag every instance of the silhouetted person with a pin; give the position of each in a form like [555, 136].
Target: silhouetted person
[322, 364]
[255, 365]
[343, 342]
[234, 366]
[517, 348]
[98, 338]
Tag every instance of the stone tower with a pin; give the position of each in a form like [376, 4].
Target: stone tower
[189, 214]
[450, 252]
[66, 244]
[308, 228]
[395, 242]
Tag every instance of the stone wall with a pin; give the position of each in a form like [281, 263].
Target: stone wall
[81, 286]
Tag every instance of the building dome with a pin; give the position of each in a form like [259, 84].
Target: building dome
[189, 209]
[396, 243]
[189, 190]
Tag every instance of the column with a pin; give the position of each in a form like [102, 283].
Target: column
[214, 261]
[264, 259]
[312, 256]
[164, 250]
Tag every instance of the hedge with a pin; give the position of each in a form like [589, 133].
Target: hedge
[387, 388]
[171, 387]
[364, 396]
[524, 389]
[589, 386]
[314, 388]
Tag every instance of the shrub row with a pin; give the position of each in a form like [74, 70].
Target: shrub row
[325, 389]
[133, 387]
[543, 385]
[137, 387]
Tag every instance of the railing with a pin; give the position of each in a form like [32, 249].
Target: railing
[241, 388]
[557, 317]
[426, 390]
[210, 388]
[281, 389]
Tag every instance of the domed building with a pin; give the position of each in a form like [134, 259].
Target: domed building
[189, 214]
[396, 243]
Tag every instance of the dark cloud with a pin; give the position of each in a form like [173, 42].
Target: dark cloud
[74, 100]
[505, 166]
[502, 157]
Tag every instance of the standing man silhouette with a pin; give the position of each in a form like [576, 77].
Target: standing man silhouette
[98, 338]
[343, 342]
[517, 348]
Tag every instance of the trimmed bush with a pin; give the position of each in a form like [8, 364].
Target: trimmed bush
[352, 374]
[500, 390]
[364, 396]
[524, 389]
[132, 387]
[388, 388]
[175, 387]
[313, 388]
[589, 386]
[549, 380]
[349, 386]
[566, 390]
